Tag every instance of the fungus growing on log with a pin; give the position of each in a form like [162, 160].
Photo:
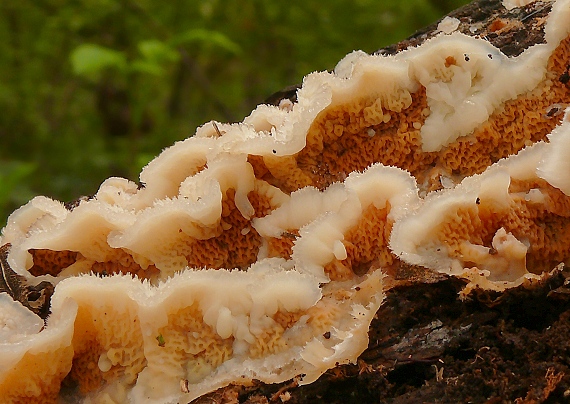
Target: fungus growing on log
[258, 250]
[499, 228]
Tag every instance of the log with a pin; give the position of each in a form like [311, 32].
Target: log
[393, 231]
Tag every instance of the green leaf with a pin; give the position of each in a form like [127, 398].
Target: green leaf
[160, 340]
[90, 59]
[207, 36]
[158, 51]
[147, 66]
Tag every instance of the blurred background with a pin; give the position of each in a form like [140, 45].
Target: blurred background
[96, 88]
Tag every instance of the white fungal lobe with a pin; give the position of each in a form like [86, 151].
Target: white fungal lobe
[448, 25]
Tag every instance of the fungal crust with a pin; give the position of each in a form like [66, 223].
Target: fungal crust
[260, 250]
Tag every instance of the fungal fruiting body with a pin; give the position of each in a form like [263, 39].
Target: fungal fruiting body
[205, 329]
[499, 228]
[258, 250]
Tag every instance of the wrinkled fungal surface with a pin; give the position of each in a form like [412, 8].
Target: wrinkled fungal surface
[261, 250]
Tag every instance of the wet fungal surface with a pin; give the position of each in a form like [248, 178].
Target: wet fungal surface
[426, 345]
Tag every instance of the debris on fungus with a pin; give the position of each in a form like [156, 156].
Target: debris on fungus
[258, 250]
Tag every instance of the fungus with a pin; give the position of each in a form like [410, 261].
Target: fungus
[343, 228]
[207, 327]
[555, 164]
[257, 250]
[448, 25]
[498, 228]
[35, 359]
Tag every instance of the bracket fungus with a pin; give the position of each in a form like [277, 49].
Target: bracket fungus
[259, 250]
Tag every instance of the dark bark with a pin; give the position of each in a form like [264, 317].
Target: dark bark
[511, 31]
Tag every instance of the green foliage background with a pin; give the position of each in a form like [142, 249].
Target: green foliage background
[96, 88]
